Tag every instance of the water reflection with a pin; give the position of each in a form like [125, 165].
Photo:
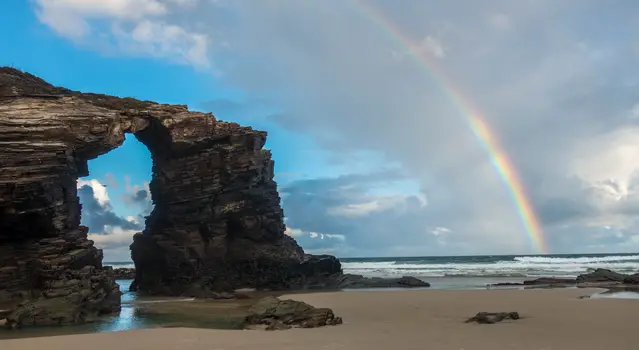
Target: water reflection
[128, 318]
[616, 295]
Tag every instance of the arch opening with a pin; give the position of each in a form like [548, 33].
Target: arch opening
[115, 199]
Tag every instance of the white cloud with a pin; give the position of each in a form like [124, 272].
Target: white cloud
[432, 46]
[139, 27]
[100, 192]
[70, 18]
[293, 232]
[358, 209]
[438, 231]
[608, 162]
[372, 205]
[165, 40]
[113, 237]
[315, 235]
[429, 45]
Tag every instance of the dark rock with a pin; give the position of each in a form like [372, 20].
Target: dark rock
[124, 273]
[493, 317]
[79, 296]
[217, 218]
[599, 278]
[337, 281]
[632, 279]
[506, 284]
[275, 314]
[542, 282]
[549, 281]
[217, 224]
[601, 275]
[357, 281]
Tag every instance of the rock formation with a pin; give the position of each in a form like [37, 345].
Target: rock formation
[601, 275]
[632, 279]
[275, 314]
[493, 317]
[599, 278]
[124, 273]
[217, 224]
[217, 221]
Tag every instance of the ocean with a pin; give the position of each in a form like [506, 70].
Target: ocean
[478, 271]
[442, 272]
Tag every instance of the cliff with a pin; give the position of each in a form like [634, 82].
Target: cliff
[217, 222]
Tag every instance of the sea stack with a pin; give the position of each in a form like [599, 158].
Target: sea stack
[217, 224]
[217, 221]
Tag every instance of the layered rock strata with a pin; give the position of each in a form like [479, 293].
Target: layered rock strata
[599, 278]
[271, 313]
[217, 221]
[217, 224]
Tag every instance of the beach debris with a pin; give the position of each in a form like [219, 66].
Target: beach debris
[493, 317]
[271, 313]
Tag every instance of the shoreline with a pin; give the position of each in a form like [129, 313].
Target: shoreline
[410, 319]
[140, 312]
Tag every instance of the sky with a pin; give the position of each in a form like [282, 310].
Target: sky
[367, 106]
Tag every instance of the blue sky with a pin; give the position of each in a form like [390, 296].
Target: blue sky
[369, 157]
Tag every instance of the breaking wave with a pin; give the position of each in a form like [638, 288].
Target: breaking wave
[483, 266]
[492, 266]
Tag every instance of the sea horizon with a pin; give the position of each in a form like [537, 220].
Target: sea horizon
[482, 266]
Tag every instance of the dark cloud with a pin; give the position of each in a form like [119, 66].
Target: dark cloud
[353, 221]
[561, 210]
[554, 82]
[97, 216]
[140, 196]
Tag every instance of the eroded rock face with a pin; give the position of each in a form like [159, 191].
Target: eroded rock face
[124, 273]
[276, 314]
[632, 279]
[601, 275]
[217, 221]
[217, 224]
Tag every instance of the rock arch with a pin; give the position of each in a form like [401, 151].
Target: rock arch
[217, 221]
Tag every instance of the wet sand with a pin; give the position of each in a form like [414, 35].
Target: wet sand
[551, 320]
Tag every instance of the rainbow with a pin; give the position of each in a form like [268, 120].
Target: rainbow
[479, 128]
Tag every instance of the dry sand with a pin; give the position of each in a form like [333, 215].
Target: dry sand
[404, 320]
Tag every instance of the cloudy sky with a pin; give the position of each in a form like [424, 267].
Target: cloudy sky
[374, 153]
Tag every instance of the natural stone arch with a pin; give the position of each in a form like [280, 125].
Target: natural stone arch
[217, 222]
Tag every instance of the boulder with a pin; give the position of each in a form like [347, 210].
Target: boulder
[601, 275]
[632, 279]
[216, 221]
[493, 317]
[550, 281]
[124, 273]
[272, 314]
[358, 282]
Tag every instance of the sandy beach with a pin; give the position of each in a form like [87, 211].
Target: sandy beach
[551, 320]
